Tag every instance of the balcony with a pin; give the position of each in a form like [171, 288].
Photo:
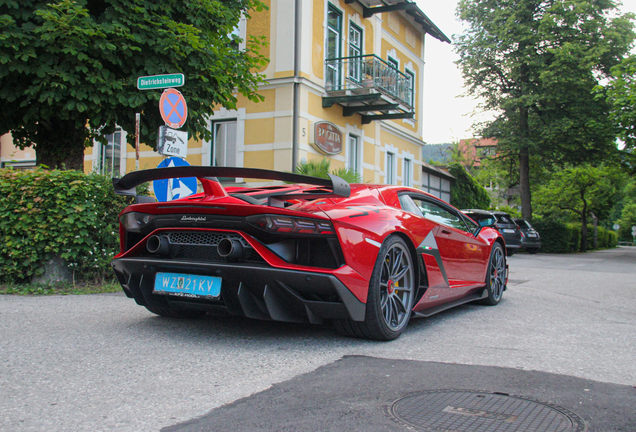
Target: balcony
[369, 86]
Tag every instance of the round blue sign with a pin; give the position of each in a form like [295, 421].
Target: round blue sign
[171, 189]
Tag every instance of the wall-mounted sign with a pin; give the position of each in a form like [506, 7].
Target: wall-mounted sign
[328, 138]
[172, 142]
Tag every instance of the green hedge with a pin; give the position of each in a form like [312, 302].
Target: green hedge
[466, 193]
[558, 237]
[69, 214]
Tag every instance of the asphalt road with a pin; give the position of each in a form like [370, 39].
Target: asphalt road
[100, 362]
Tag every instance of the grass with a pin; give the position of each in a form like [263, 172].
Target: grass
[60, 288]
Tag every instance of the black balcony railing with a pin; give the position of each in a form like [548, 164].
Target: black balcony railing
[368, 73]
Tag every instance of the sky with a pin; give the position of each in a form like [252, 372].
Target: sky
[447, 116]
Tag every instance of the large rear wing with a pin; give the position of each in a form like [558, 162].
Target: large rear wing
[127, 184]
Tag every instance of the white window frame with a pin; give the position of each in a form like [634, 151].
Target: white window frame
[337, 71]
[355, 66]
[353, 153]
[407, 172]
[214, 143]
[390, 168]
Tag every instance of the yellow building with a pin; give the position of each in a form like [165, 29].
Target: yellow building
[344, 82]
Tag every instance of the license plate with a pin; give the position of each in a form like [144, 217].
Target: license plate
[532, 235]
[508, 230]
[186, 285]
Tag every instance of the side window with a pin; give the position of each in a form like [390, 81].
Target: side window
[407, 204]
[439, 214]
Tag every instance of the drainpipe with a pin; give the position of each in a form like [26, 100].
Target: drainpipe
[296, 109]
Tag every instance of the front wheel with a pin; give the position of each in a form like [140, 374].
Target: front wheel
[391, 294]
[496, 276]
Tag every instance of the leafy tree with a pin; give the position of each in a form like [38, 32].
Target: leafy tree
[466, 193]
[627, 221]
[535, 63]
[621, 95]
[68, 68]
[581, 190]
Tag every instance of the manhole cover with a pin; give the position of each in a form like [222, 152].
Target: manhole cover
[469, 411]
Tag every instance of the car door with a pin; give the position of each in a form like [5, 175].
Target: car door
[461, 252]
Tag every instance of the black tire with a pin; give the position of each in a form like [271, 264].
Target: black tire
[496, 276]
[169, 312]
[391, 293]
[532, 251]
[511, 252]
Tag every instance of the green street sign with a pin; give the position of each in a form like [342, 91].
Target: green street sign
[160, 81]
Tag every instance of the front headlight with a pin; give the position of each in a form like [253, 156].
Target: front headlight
[135, 221]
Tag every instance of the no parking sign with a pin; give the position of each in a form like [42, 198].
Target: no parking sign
[173, 108]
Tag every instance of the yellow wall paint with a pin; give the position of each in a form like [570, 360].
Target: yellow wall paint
[401, 35]
[259, 131]
[266, 105]
[284, 74]
[318, 42]
[258, 25]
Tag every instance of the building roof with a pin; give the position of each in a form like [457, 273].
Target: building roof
[372, 7]
[431, 169]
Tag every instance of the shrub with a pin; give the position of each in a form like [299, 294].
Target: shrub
[612, 239]
[45, 214]
[466, 193]
[556, 237]
[320, 168]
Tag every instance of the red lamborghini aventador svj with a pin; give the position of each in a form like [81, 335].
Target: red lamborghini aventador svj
[366, 258]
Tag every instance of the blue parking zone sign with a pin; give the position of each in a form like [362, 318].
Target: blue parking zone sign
[171, 189]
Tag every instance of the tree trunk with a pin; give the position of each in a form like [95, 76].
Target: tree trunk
[595, 238]
[583, 247]
[524, 183]
[60, 145]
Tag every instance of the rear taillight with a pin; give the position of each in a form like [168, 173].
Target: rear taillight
[291, 225]
[135, 221]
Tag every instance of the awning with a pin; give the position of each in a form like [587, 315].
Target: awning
[371, 7]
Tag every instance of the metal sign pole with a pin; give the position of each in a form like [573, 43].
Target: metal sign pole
[137, 128]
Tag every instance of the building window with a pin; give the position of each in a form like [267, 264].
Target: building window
[334, 42]
[410, 87]
[355, 52]
[234, 36]
[354, 153]
[408, 173]
[110, 158]
[224, 147]
[390, 168]
[392, 75]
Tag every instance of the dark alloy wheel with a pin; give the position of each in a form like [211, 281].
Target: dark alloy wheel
[391, 294]
[496, 276]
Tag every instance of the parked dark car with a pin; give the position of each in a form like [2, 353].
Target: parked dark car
[531, 241]
[502, 222]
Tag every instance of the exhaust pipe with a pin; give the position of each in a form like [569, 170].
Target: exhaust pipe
[230, 248]
[158, 245]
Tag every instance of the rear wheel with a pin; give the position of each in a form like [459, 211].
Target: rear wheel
[390, 298]
[532, 251]
[496, 276]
